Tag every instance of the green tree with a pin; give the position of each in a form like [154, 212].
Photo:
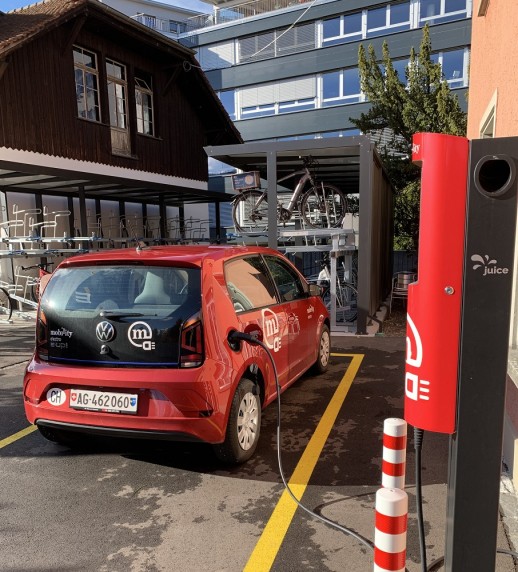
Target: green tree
[422, 103]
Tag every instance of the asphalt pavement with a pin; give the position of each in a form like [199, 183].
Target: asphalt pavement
[376, 394]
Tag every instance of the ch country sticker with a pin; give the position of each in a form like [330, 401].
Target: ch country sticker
[140, 335]
[271, 330]
[415, 388]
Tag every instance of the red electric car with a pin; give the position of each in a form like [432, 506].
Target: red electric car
[135, 343]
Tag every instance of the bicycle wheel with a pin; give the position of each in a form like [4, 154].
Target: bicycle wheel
[250, 212]
[323, 206]
[346, 301]
[6, 305]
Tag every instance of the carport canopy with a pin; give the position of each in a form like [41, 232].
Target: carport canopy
[29, 172]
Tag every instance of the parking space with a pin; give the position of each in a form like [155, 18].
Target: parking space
[121, 505]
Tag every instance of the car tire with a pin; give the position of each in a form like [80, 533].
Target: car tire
[60, 436]
[324, 350]
[244, 425]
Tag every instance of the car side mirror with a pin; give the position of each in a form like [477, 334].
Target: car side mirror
[315, 290]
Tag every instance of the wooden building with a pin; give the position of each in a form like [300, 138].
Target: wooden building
[95, 106]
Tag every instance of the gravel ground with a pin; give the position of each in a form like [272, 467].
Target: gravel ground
[395, 324]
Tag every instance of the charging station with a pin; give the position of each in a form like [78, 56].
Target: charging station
[458, 327]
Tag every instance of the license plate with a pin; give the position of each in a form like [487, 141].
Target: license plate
[106, 401]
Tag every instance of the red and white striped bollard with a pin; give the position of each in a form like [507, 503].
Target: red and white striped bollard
[390, 531]
[394, 453]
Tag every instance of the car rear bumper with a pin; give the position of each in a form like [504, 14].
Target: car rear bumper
[118, 432]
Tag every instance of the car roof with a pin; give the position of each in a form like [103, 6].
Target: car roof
[186, 254]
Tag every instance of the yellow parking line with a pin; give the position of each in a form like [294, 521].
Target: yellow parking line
[16, 436]
[266, 549]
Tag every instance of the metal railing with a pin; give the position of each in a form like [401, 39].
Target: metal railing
[220, 15]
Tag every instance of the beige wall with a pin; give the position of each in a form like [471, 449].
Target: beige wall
[493, 86]
[493, 73]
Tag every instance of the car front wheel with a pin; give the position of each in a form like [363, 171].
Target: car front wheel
[324, 351]
[244, 425]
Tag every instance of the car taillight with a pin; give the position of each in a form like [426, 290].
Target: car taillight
[42, 338]
[191, 343]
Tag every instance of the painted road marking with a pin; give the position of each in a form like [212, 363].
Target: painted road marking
[266, 549]
[16, 436]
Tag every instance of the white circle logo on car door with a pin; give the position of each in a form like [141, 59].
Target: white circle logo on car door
[271, 330]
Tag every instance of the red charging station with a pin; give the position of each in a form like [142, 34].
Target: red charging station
[434, 301]
[459, 315]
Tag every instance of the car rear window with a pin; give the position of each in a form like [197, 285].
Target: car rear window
[159, 298]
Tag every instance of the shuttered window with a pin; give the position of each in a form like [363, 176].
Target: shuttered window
[217, 56]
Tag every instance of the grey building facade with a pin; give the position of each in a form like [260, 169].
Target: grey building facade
[292, 72]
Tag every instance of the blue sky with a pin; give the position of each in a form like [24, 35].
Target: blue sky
[6, 5]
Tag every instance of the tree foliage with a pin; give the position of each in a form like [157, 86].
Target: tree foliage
[422, 102]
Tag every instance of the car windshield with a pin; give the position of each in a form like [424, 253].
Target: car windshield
[124, 290]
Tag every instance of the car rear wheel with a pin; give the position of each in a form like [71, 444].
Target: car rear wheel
[324, 351]
[244, 425]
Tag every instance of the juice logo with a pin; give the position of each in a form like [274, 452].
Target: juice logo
[415, 388]
[271, 330]
[488, 265]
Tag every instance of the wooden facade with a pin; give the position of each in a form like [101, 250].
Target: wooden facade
[38, 105]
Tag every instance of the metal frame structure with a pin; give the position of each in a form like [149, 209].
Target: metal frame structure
[352, 164]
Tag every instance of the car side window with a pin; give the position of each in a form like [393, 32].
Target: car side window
[249, 284]
[288, 282]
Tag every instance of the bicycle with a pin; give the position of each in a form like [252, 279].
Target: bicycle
[346, 295]
[321, 206]
[6, 305]
[34, 282]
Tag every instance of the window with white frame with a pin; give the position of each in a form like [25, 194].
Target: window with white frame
[341, 29]
[275, 98]
[341, 87]
[228, 99]
[258, 47]
[217, 56]
[87, 84]
[144, 103]
[439, 11]
[454, 66]
[117, 94]
[387, 19]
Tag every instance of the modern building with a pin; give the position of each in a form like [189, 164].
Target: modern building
[287, 69]
[493, 112]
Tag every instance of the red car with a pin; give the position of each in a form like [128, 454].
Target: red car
[135, 343]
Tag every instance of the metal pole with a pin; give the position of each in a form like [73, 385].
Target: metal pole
[476, 447]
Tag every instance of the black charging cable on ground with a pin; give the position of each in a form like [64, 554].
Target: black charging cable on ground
[233, 338]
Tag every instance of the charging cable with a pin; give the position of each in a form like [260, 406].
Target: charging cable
[233, 338]
[418, 445]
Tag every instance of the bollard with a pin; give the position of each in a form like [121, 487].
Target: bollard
[390, 530]
[394, 453]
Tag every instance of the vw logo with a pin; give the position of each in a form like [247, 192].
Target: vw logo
[105, 332]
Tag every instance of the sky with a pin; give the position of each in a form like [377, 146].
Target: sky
[6, 5]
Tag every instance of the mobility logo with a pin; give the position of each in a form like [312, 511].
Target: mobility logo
[140, 335]
[488, 265]
[415, 388]
[271, 330]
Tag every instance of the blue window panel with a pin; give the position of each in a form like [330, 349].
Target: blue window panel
[331, 85]
[353, 23]
[352, 82]
[331, 28]
[400, 13]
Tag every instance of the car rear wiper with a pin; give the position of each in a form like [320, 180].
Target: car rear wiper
[120, 314]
